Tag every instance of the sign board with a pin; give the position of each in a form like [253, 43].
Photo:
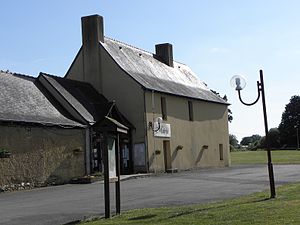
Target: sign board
[111, 146]
[162, 130]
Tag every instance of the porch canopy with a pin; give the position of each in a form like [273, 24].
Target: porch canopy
[109, 124]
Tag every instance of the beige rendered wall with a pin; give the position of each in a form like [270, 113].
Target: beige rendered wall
[128, 94]
[76, 71]
[129, 97]
[119, 86]
[115, 85]
[210, 127]
[86, 67]
[41, 155]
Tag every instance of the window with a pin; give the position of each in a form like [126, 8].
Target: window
[191, 111]
[163, 108]
[221, 151]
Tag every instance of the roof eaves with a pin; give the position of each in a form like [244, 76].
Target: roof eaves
[189, 97]
[62, 96]
[45, 123]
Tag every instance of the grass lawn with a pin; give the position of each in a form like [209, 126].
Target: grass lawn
[257, 157]
[252, 209]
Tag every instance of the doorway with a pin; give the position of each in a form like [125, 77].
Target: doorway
[167, 156]
[126, 157]
[124, 148]
[96, 153]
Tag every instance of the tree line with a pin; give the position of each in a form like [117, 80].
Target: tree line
[285, 136]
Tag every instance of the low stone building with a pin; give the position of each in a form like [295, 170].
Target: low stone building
[48, 127]
[39, 144]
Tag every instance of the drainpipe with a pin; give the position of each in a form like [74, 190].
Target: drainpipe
[153, 116]
[146, 134]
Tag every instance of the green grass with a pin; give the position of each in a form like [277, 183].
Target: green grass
[258, 157]
[252, 209]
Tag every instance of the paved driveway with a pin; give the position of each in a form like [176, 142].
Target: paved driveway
[62, 204]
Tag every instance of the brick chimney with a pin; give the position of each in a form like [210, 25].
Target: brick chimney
[164, 53]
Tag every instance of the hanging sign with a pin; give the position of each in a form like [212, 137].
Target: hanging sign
[162, 130]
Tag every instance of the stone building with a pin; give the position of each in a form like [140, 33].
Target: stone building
[154, 110]
[148, 86]
[48, 126]
[39, 144]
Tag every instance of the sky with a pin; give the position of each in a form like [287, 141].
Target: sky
[217, 39]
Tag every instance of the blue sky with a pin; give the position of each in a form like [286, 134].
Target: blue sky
[217, 39]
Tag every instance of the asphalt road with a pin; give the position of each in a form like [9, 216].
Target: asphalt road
[62, 204]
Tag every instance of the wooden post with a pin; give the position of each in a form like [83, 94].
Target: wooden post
[118, 196]
[106, 176]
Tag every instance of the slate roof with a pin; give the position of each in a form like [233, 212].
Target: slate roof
[22, 101]
[91, 105]
[155, 75]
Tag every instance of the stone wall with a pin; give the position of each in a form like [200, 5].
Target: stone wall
[41, 155]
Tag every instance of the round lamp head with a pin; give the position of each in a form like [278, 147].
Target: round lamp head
[238, 82]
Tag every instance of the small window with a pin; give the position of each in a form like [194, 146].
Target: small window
[191, 111]
[221, 152]
[163, 108]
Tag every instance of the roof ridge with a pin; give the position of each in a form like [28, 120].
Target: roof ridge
[6, 71]
[24, 75]
[17, 74]
[48, 74]
[140, 49]
[67, 79]
[129, 45]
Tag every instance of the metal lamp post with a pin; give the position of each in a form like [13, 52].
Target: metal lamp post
[297, 138]
[297, 135]
[239, 83]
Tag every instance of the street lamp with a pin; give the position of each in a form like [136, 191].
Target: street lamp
[239, 83]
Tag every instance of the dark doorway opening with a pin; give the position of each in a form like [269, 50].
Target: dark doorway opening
[126, 160]
[167, 156]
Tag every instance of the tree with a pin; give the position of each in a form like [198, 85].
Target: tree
[250, 140]
[274, 138]
[246, 140]
[253, 146]
[290, 121]
[233, 140]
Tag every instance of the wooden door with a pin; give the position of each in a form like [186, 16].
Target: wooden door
[167, 155]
